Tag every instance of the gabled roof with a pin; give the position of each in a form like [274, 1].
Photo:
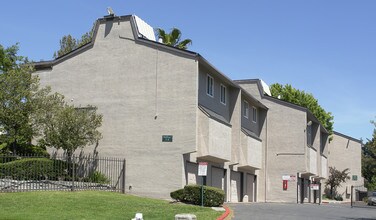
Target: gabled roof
[141, 40]
[348, 137]
[279, 101]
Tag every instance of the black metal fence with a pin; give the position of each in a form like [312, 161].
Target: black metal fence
[361, 197]
[60, 172]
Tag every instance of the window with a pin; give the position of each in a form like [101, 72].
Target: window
[254, 114]
[354, 177]
[323, 138]
[210, 86]
[245, 109]
[309, 135]
[223, 94]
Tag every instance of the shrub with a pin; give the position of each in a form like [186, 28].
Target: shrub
[338, 198]
[192, 194]
[178, 195]
[97, 177]
[24, 149]
[365, 200]
[34, 169]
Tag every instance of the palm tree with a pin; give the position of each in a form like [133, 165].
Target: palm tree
[173, 38]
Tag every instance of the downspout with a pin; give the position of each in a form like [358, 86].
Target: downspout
[156, 84]
[266, 159]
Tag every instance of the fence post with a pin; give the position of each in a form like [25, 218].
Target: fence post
[123, 184]
[351, 196]
[73, 172]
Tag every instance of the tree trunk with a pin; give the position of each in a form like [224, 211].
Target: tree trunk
[331, 192]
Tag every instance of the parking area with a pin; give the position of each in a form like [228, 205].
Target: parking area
[267, 211]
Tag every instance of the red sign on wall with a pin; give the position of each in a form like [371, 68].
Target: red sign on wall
[284, 183]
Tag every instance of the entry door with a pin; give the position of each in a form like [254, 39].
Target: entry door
[235, 182]
[251, 188]
[301, 189]
[218, 177]
[192, 174]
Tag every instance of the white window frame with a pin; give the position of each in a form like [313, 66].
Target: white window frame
[254, 114]
[223, 94]
[210, 86]
[245, 109]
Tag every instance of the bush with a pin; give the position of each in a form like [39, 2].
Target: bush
[178, 195]
[192, 194]
[365, 200]
[338, 198]
[24, 149]
[97, 177]
[34, 169]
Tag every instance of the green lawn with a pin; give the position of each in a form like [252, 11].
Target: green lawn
[92, 205]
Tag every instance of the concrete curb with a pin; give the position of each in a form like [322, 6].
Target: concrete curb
[335, 202]
[224, 215]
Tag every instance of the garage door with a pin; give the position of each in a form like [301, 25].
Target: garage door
[218, 177]
[235, 184]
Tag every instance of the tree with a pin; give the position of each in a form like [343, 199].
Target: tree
[18, 90]
[301, 98]
[173, 38]
[9, 58]
[29, 112]
[369, 161]
[68, 43]
[335, 179]
[65, 127]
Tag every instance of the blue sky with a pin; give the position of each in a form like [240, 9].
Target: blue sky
[326, 48]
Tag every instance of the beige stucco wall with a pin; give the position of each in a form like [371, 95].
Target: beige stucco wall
[346, 153]
[286, 150]
[251, 152]
[143, 93]
[214, 139]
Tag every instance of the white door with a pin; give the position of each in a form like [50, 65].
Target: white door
[192, 174]
[251, 192]
[235, 183]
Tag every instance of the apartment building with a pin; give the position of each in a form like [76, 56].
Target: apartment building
[164, 111]
[345, 153]
[296, 149]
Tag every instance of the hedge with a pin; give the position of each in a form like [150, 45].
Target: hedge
[192, 194]
[34, 169]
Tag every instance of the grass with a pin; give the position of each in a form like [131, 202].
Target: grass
[92, 205]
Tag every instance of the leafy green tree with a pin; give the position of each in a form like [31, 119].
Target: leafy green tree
[335, 179]
[173, 38]
[301, 98]
[18, 90]
[9, 58]
[68, 43]
[29, 112]
[65, 127]
[369, 161]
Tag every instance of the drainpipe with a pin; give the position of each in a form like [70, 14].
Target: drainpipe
[266, 158]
